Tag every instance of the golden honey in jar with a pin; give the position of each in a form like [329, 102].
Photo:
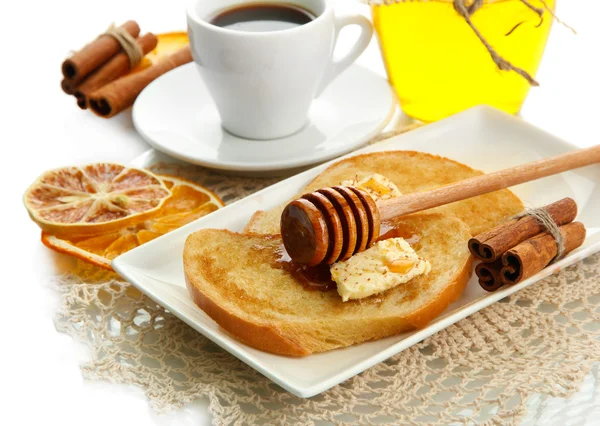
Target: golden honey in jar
[439, 67]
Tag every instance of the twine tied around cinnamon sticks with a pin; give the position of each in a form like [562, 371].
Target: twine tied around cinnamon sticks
[128, 44]
[109, 56]
[92, 56]
[544, 219]
[99, 75]
[527, 243]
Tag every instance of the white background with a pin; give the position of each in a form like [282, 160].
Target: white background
[42, 128]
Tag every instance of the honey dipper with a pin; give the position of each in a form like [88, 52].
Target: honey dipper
[332, 224]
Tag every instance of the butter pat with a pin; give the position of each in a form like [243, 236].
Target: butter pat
[386, 264]
[377, 186]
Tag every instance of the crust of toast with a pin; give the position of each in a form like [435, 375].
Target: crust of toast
[269, 339]
[231, 277]
[411, 171]
[422, 317]
[266, 338]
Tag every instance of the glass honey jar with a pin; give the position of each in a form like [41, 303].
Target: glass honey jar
[437, 64]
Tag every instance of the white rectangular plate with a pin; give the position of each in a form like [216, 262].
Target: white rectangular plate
[481, 137]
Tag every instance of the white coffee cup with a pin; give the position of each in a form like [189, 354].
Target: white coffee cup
[263, 83]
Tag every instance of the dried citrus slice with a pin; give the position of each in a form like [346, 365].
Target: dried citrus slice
[168, 43]
[94, 199]
[189, 202]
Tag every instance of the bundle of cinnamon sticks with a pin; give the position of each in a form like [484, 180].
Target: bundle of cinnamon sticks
[100, 74]
[521, 247]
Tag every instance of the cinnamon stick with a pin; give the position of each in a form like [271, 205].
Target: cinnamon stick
[116, 67]
[531, 256]
[490, 245]
[94, 54]
[120, 94]
[68, 86]
[489, 275]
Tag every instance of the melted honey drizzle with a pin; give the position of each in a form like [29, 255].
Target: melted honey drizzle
[318, 278]
[310, 277]
[409, 235]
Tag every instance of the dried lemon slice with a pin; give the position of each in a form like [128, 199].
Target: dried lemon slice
[189, 202]
[94, 199]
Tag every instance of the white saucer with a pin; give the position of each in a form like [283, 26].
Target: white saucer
[176, 115]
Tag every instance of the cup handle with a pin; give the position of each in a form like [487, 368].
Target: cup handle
[339, 65]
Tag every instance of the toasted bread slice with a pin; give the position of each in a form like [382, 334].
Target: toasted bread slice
[236, 280]
[411, 171]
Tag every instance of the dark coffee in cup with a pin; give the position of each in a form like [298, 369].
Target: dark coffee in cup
[265, 62]
[262, 17]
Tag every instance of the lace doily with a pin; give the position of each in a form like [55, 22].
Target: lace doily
[489, 368]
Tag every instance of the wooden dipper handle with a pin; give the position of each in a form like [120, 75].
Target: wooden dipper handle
[486, 183]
